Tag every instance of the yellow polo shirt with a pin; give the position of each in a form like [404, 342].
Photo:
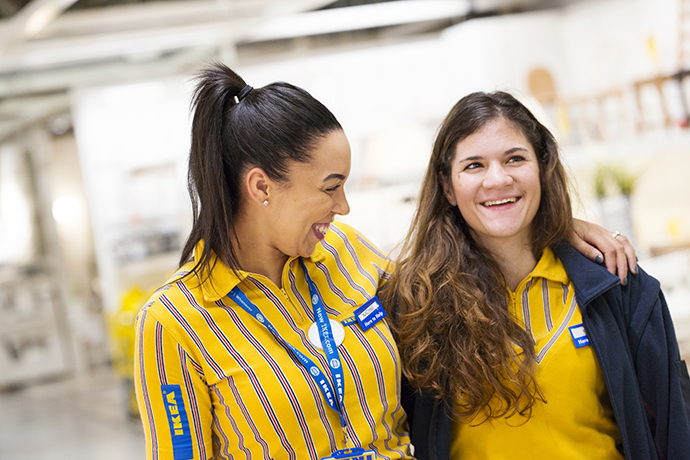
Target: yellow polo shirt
[212, 382]
[577, 420]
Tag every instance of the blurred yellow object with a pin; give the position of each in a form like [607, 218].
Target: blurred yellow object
[121, 330]
[651, 48]
[563, 119]
[674, 228]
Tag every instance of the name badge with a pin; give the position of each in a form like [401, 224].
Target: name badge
[579, 335]
[370, 313]
[352, 454]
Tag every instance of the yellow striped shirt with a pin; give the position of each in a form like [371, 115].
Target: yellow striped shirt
[577, 421]
[214, 383]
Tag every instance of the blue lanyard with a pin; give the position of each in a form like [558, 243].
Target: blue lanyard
[327, 340]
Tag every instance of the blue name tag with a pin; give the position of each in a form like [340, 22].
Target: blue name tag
[352, 454]
[370, 313]
[579, 335]
[179, 425]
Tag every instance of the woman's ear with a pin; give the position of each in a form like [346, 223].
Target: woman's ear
[447, 189]
[258, 185]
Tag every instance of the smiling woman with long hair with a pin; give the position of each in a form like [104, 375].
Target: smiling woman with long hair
[513, 344]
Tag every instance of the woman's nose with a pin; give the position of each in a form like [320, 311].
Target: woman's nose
[497, 177]
[341, 206]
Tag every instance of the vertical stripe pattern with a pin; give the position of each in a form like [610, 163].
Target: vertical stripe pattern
[545, 303]
[246, 393]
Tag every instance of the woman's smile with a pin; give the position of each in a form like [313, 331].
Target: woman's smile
[501, 203]
[320, 230]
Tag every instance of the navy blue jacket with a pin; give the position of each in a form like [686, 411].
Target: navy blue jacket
[633, 338]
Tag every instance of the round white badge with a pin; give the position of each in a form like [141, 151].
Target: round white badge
[338, 334]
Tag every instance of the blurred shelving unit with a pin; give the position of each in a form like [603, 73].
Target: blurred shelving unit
[32, 338]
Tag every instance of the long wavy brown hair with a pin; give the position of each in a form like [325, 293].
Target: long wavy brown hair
[448, 296]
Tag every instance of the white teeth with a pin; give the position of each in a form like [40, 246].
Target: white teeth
[496, 203]
[322, 228]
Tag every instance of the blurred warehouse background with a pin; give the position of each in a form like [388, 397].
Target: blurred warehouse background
[94, 133]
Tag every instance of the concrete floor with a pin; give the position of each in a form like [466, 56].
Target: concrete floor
[75, 419]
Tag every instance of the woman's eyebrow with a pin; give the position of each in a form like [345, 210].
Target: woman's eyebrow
[479, 157]
[514, 149]
[334, 176]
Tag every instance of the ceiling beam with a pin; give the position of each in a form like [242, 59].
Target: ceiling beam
[145, 28]
[155, 15]
[131, 45]
[358, 18]
[20, 114]
[23, 84]
[30, 21]
[212, 27]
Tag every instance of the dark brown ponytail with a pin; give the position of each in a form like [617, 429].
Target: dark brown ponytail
[269, 128]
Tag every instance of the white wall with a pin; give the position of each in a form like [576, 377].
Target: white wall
[498, 53]
[133, 142]
[391, 99]
[17, 232]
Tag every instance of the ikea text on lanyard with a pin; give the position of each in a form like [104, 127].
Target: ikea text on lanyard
[329, 347]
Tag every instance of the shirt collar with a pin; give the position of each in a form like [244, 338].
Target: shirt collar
[223, 279]
[550, 267]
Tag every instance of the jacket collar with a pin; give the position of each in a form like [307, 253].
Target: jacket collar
[589, 278]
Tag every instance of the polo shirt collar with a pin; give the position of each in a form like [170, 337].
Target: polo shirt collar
[550, 267]
[223, 279]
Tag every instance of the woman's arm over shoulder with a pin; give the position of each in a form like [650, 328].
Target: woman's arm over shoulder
[613, 250]
[172, 394]
[661, 374]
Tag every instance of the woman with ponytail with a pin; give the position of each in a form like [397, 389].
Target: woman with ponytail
[258, 347]
[515, 346]
[270, 342]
